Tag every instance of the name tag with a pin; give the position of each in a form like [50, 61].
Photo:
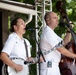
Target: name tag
[49, 64]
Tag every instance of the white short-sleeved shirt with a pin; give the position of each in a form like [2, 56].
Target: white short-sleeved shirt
[48, 40]
[15, 47]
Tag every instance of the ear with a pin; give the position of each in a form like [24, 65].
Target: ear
[48, 20]
[15, 27]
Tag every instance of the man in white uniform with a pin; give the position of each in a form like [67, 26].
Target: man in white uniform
[49, 39]
[14, 52]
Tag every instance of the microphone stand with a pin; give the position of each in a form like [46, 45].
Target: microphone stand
[39, 52]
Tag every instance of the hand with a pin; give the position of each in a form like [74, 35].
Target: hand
[29, 59]
[32, 60]
[41, 59]
[18, 67]
[71, 24]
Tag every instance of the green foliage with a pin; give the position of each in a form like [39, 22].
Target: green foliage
[70, 7]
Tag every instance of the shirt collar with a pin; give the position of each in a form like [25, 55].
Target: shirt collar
[49, 28]
[16, 35]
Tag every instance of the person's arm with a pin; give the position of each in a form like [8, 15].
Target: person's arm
[35, 59]
[29, 59]
[32, 60]
[65, 52]
[67, 37]
[9, 62]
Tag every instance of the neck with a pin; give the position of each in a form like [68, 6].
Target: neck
[20, 35]
[51, 27]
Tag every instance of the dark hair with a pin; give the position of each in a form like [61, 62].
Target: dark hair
[13, 22]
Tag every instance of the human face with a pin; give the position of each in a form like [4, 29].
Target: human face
[53, 20]
[20, 27]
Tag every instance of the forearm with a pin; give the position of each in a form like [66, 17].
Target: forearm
[67, 38]
[29, 59]
[7, 60]
[65, 52]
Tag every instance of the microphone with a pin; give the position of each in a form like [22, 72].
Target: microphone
[28, 28]
[64, 24]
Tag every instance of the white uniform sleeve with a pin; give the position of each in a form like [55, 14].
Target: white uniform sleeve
[51, 39]
[8, 46]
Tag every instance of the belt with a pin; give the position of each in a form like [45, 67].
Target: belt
[16, 58]
[25, 62]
